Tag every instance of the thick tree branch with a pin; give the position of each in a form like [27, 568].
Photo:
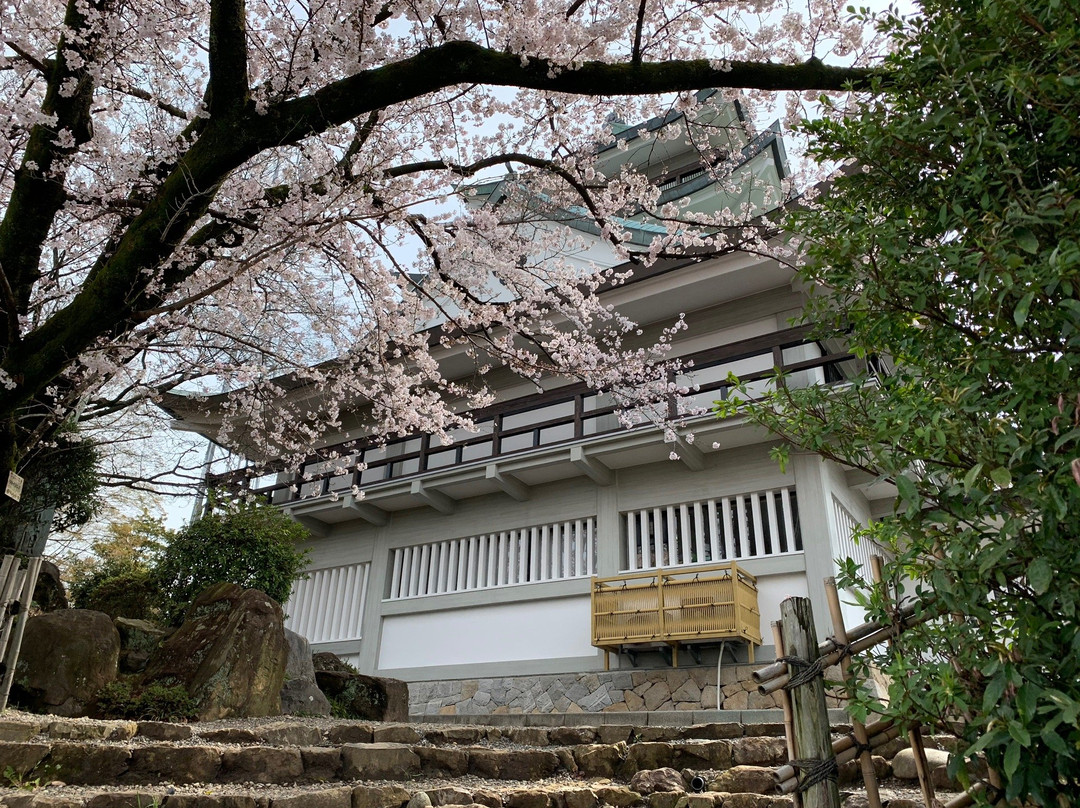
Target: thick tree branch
[117, 285]
[38, 190]
[466, 62]
[228, 88]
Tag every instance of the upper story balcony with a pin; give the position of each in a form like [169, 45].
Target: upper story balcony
[568, 431]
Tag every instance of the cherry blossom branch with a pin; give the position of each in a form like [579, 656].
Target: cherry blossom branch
[462, 62]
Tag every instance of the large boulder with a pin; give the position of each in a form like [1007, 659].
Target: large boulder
[49, 592]
[371, 698]
[138, 639]
[300, 695]
[229, 654]
[66, 657]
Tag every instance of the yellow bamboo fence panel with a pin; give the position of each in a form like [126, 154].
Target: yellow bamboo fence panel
[710, 602]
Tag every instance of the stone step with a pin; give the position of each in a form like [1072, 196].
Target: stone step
[298, 732]
[107, 762]
[656, 718]
[568, 795]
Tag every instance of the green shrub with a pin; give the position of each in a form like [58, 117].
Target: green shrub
[153, 703]
[131, 593]
[253, 546]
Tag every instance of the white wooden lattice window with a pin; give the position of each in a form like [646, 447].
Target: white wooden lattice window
[551, 552]
[752, 525]
[328, 605]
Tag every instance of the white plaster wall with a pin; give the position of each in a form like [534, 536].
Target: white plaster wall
[771, 590]
[501, 633]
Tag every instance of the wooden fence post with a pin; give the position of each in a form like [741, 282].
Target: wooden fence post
[810, 716]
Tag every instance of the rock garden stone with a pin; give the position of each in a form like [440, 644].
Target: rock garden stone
[712, 732]
[138, 639]
[419, 800]
[83, 764]
[23, 758]
[123, 799]
[379, 761]
[325, 798]
[760, 751]
[374, 698]
[349, 733]
[176, 764]
[300, 695]
[229, 735]
[229, 654]
[395, 733]
[286, 733]
[440, 762]
[458, 735]
[49, 593]
[618, 796]
[664, 799]
[488, 798]
[579, 798]
[162, 731]
[744, 780]
[66, 657]
[647, 756]
[513, 764]
[652, 780]
[92, 731]
[570, 736]
[903, 764]
[261, 764]
[702, 755]
[450, 795]
[527, 799]
[208, 801]
[600, 760]
[379, 797]
[19, 730]
[321, 763]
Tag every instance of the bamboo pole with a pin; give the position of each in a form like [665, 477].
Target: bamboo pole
[11, 657]
[787, 782]
[810, 716]
[966, 798]
[918, 751]
[859, 634]
[868, 641]
[866, 762]
[785, 702]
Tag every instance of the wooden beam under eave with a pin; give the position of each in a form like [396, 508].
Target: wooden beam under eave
[311, 524]
[433, 497]
[366, 511]
[591, 467]
[691, 456]
[508, 484]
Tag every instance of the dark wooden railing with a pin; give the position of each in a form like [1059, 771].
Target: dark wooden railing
[578, 412]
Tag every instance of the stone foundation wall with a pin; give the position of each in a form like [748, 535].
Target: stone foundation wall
[691, 688]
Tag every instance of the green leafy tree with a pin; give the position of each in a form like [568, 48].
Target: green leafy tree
[63, 478]
[117, 576]
[953, 251]
[253, 546]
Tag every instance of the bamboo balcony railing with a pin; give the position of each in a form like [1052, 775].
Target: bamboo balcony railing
[713, 602]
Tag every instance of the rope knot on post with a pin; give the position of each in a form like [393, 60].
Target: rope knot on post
[814, 772]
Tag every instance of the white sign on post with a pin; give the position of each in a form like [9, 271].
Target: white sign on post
[14, 486]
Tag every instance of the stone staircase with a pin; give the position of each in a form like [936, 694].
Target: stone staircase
[323, 763]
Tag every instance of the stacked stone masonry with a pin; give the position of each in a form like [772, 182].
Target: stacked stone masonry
[681, 689]
[60, 763]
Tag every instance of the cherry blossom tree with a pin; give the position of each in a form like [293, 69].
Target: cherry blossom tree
[246, 193]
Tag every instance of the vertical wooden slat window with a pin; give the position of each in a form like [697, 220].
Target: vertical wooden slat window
[328, 605]
[750, 525]
[551, 552]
